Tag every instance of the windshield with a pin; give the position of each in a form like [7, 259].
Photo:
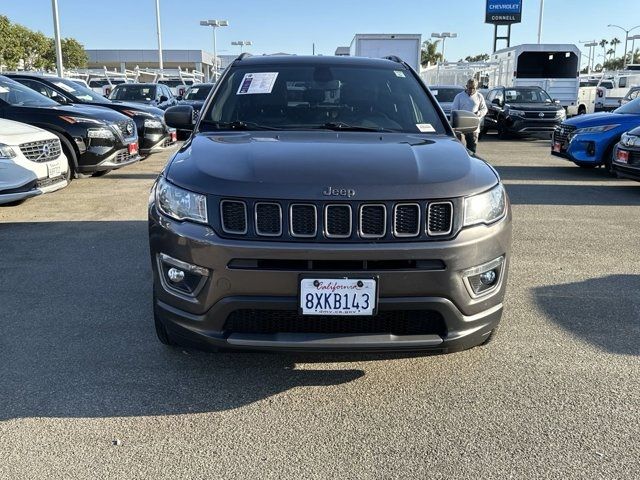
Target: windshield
[445, 94]
[82, 93]
[326, 96]
[134, 92]
[526, 95]
[633, 107]
[18, 95]
[175, 83]
[104, 83]
[199, 92]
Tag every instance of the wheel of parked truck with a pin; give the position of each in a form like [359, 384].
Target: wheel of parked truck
[502, 131]
[101, 173]
[161, 331]
[582, 110]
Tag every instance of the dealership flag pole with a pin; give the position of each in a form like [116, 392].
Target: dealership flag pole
[56, 31]
[540, 22]
[159, 36]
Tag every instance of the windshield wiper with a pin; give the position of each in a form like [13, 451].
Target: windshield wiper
[345, 127]
[240, 125]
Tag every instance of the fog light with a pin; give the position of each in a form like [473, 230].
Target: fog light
[485, 278]
[180, 277]
[175, 275]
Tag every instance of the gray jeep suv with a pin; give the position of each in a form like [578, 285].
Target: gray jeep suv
[324, 203]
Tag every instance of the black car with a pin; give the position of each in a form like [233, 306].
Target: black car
[152, 94]
[95, 140]
[153, 133]
[324, 203]
[626, 156]
[522, 111]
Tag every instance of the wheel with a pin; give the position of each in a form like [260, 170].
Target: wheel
[582, 110]
[161, 331]
[490, 338]
[101, 173]
[502, 133]
[608, 162]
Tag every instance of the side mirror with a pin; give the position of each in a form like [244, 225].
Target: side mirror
[179, 97]
[163, 98]
[496, 101]
[557, 102]
[180, 117]
[464, 122]
[60, 99]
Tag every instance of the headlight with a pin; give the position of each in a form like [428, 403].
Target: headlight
[516, 113]
[104, 133]
[138, 113]
[599, 129]
[486, 207]
[152, 123]
[70, 119]
[6, 151]
[630, 140]
[180, 204]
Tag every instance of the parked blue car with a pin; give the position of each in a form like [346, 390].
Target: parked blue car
[589, 140]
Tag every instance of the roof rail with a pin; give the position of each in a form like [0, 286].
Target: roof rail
[243, 56]
[394, 58]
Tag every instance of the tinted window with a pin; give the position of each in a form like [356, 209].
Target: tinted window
[526, 95]
[310, 96]
[18, 95]
[39, 87]
[633, 107]
[491, 95]
[500, 95]
[547, 65]
[83, 94]
[134, 92]
[198, 92]
[444, 94]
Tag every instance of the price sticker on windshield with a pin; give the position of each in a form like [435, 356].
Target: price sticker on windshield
[256, 83]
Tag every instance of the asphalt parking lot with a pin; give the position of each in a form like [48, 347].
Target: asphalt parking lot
[86, 391]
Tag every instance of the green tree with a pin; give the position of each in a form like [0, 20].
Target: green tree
[603, 43]
[482, 57]
[9, 49]
[429, 54]
[73, 54]
[614, 43]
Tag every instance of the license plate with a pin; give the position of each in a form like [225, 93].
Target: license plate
[133, 148]
[557, 146]
[338, 296]
[622, 156]
[53, 169]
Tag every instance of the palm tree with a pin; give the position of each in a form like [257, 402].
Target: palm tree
[429, 54]
[614, 44]
[610, 53]
[603, 43]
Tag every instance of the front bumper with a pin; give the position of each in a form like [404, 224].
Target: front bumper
[631, 169]
[201, 320]
[584, 148]
[154, 141]
[528, 126]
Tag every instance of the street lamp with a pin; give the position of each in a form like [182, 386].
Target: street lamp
[56, 31]
[626, 38]
[590, 44]
[633, 46]
[214, 24]
[161, 64]
[242, 43]
[443, 36]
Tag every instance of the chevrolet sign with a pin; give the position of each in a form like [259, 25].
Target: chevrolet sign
[503, 12]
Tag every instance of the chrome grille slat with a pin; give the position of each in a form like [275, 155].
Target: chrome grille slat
[439, 218]
[373, 220]
[233, 215]
[338, 221]
[41, 151]
[268, 219]
[406, 220]
[303, 220]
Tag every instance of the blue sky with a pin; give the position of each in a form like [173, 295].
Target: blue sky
[293, 25]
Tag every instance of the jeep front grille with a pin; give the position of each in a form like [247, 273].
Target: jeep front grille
[41, 151]
[352, 221]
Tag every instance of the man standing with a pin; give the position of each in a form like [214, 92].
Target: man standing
[471, 101]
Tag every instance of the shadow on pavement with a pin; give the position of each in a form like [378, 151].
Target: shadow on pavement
[132, 175]
[603, 311]
[553, 194]
[77, 337]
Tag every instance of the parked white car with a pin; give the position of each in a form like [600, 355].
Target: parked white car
[31, 162]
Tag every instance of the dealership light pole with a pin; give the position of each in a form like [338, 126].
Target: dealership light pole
[590, 44]
[540, 22]
[159, 36]
[242, 43]
[443, 36]
[626, 39]
[56, 32]
[633, 46]
[214, 24]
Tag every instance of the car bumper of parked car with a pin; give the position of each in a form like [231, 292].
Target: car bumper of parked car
[32, 188]
[246, 307]
[584, 148]
[157, 141]
[628, 168]
[118, 159]
[530, 127]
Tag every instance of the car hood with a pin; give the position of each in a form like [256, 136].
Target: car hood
[14, 133]
[533, 107]
[300, 165]
[602, 118]
[142, 107]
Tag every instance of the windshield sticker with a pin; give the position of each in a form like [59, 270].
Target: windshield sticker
[425, 127]
[399, 73]
[435, 93]
[4, 89]
[64, 86]
[254, 83]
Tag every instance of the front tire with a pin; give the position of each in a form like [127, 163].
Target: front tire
[161, 331]
[502, 132]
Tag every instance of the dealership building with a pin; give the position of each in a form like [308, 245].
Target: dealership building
[121, 60]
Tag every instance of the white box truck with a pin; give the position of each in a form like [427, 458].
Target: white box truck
[405, 46]
[553, 67]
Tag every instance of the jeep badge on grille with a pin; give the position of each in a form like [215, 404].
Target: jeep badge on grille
[339, 192]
